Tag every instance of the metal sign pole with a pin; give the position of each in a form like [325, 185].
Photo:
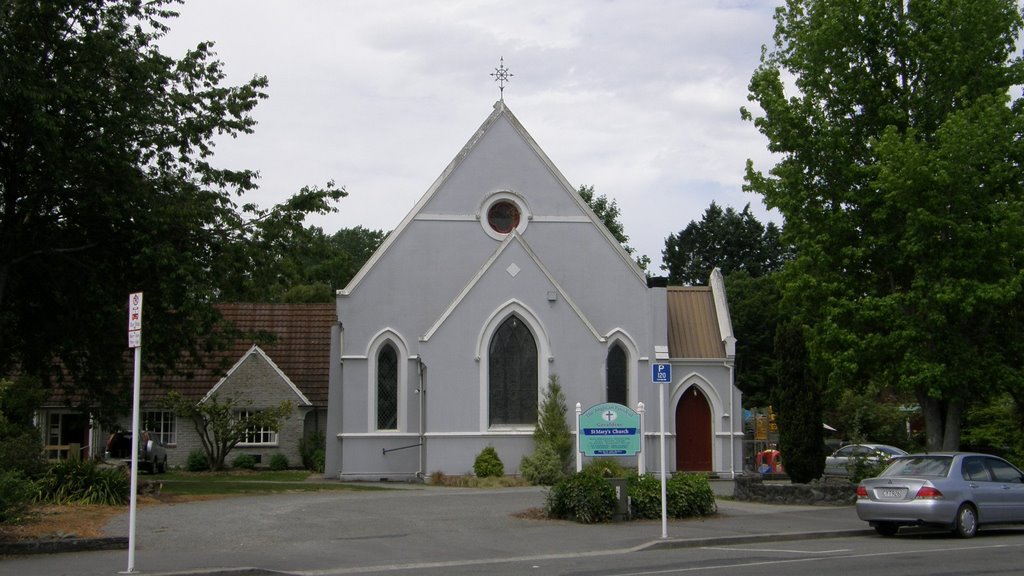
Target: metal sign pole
[133, 504]
[134, 341]
[661, 374]
[664, 506]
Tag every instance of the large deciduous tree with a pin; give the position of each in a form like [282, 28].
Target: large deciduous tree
[900, 180]
[107, 187]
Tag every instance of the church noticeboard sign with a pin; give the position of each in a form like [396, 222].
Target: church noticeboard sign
[609, 430]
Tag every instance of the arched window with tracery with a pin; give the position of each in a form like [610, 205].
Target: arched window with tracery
[387, 387]
[512, 374]
[617, 376]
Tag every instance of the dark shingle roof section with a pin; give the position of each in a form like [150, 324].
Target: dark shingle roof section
[300, 346]
[693, 330]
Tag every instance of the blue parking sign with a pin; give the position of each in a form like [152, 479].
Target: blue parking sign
[661, 373]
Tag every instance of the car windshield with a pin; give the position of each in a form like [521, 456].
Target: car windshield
[890, 450]
[933, 466]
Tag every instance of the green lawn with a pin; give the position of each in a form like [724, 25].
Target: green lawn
[246, 482]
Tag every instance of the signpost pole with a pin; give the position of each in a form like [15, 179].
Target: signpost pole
[661, 374]
[664, 506]
[134, 341]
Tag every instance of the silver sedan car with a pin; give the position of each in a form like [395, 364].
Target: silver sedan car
[955, 490]
[839, 463]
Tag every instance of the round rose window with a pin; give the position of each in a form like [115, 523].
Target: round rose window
[503, 216]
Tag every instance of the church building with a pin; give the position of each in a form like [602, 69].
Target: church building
[500, 279]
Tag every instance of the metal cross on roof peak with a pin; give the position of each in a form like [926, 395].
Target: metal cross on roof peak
[501, 76]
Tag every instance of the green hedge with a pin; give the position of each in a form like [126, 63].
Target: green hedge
[583, 497]
[686, 496]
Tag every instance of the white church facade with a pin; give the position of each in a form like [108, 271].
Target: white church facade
[498, 279]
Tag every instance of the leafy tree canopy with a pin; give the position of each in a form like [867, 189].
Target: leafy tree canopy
[608, 212]
[900, 179]
[107, 187]
[723, 239]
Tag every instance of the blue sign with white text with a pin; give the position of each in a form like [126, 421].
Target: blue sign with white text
[661, 373]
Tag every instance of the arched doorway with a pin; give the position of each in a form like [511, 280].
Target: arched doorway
[693, 432]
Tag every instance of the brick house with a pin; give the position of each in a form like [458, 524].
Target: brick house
[284, 354]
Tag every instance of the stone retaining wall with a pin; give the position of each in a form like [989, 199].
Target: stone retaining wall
[827, 492]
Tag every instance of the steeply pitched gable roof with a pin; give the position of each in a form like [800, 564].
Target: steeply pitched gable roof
[257, 353]
[699, 324]
[501, 111]
[299, 346]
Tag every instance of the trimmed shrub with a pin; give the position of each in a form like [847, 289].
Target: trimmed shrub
[645, 496]
[244, 462]
[686, 495]
[690, 495]
[16, 494]
[82, 482]
[543, 467]
[583, 497]
[278, 462]
[487, 463]
[197, 461]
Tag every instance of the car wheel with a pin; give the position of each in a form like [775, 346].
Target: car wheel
[887, 528]
[966, 524]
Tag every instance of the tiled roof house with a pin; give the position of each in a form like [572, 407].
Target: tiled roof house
[282, 353]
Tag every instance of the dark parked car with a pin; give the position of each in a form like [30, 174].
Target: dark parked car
[955, 490]
[152, 453]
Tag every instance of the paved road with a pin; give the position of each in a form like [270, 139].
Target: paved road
[362, 532]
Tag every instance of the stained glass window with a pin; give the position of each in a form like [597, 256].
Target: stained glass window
[512, 374]
[387, 388]
[617, 383]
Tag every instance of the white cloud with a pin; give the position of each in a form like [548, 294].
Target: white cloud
[640, 99]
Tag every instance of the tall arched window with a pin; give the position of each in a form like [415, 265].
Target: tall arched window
[387, 387]
[512, 374]
[617, 376]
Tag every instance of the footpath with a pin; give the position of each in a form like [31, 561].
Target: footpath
[334, 531]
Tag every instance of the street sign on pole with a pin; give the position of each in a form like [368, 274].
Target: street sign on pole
[661, 373]
[135, 320]
[134, 341]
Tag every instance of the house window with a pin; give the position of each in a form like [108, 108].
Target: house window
[161, 425]
[257, 435]
[512, 374]
[387, 387]
[617, 386]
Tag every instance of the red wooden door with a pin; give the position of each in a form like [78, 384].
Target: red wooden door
[693, 432]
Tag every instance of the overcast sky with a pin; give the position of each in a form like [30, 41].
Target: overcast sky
[638, 98]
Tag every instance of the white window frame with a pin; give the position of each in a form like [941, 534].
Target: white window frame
[163, 424]
[264, 436]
